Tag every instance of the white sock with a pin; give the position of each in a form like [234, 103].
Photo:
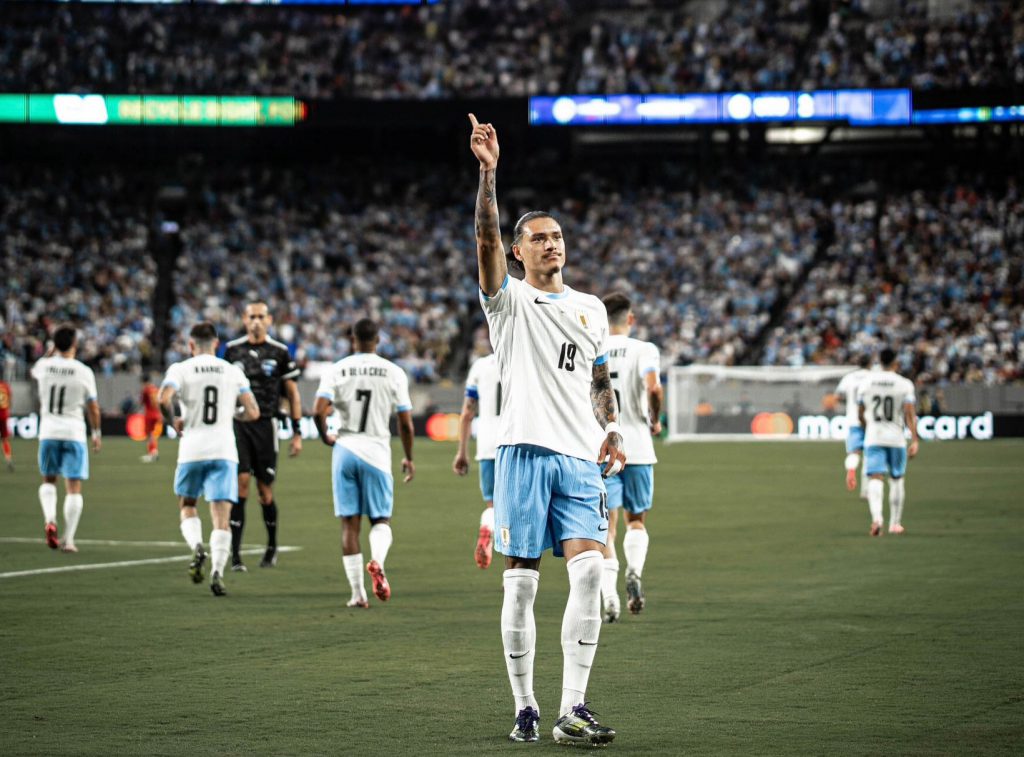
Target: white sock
[852, 461]
[220, 546]
[609, 577]
[354, 571]
[876, 488]
[581, 626]
[897, 496]
[634, 544]
[48, 499]
[72, 513]
[192, 530]
[487, 519]
[864, 478]
[519, 633]
[380, 543]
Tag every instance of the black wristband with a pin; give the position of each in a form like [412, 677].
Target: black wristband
[296, 425]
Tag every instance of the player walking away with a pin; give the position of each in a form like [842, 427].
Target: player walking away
[271, 373]
[365, 388]
[847, 392]
[209, 389]
[151, 414]
[67, 391]
[483, 400]
[557, 420]
[886, 407]
[5, 419]
[635, 370]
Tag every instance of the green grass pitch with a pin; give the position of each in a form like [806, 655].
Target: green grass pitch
[774, 625]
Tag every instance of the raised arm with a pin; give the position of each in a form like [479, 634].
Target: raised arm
[490, 252]
[602, 397]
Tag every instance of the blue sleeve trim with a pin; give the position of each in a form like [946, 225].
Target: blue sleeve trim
[91, 399]
[168, 382]
[649, 370]
[326, 396]
[472, 393]
[404, 408]
[601, 359]
[910, 402]
[244, 389]
[504, 284]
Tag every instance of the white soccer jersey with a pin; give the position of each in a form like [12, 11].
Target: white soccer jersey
[848, 389]
[546, 346]
[208, 389]
[65, 386]
[484, 385]
[629, 362]
[366, 389]
[884, 395]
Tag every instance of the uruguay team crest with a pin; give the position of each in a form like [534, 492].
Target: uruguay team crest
[506, 537]
[582, 318]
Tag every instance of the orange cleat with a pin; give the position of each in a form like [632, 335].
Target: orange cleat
[51, 536]
[876, 529]
[851, 479]
[897, 529]
[484, 547]
[381, 587]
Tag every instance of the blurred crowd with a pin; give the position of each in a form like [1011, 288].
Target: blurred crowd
[487, 48]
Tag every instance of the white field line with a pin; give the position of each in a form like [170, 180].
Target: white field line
[126, 563]
[95, 542]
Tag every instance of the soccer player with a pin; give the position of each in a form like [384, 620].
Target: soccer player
[557, 425]
[365, 388]
[886, 407]
[483, 401]
[209, 390]
[67, 391]
[5, 417]
[151, 414]
[270, 369]
[635, 370]
[847, 391]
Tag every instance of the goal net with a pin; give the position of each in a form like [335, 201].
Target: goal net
[725, 403]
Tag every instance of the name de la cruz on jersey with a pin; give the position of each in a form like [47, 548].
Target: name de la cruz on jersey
[362, 371]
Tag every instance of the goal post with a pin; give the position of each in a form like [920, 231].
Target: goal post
[737, 403]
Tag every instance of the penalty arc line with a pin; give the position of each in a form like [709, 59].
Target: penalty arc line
[126, 563]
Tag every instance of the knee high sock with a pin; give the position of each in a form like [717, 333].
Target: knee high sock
[519, 633]
[270, 521]
[609, 578]
[220, 545]
[380, 542]
[72, 513]
[48, 500]
[192, 530]
[634, 544]
[237, 525]
[354, 572]
[876, 488]
[581, 626]
[897, 496]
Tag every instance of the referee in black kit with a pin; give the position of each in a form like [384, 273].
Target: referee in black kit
[272, 373]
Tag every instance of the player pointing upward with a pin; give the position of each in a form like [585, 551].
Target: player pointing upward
[557, 422]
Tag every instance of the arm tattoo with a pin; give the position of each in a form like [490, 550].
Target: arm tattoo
[488, 234]
[602, 397]
[471, 405]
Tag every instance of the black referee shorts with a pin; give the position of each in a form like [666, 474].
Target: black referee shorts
[257, 448]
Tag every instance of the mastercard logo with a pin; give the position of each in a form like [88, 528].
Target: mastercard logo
[443, 427]
[771, 424]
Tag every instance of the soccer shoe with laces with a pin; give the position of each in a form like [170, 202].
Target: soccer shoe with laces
[611, 612]
[358, 602]
[381, 587]
[897, 529]
[526, 726]
[634, 593]
[580, 727]
[195, 568]
[269, 558]
[52, 540]
[876, 529]
[851, 479]
[217, 585]
[237, 565]
[69, 548]
[484, 548]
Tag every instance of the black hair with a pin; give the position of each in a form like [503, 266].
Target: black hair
[887, 357]
[517, 235]
[864, 360]
[64, 337]
[365, 330]
[203, 332]
[617, 304]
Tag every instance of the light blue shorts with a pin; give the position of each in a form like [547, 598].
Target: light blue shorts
[886, 460]
[216, 480]
[360, 488]
[854, 439]
[487, 480]
[542, 498]
[60, 457]
[633, 489]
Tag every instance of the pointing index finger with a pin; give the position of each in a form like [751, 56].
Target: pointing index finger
[473, 121]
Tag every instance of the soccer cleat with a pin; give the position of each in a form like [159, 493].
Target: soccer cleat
[51, 536]
[217, 585]
[269, 558]
[381, 587]
[195, 568]
[896, 529]
[611, 612]
[580, 727]
[526, 726]
[634, 593]
[149, 458]
[484, 547]
[65, 547]
[237, 565]
[851, 479]
[876, 529]
[358, 602]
